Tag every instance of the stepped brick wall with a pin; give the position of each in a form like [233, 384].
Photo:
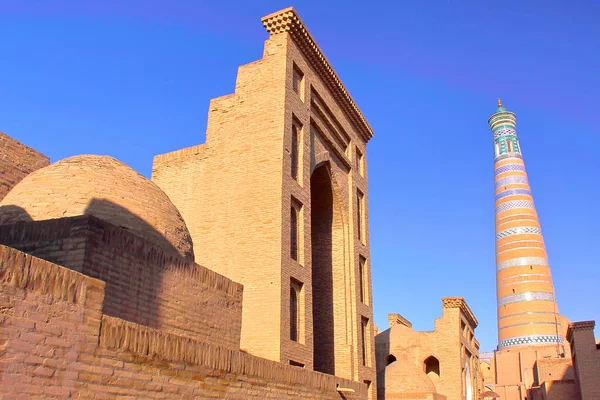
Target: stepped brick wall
[55, 342]
[16, 162]
[144, 283]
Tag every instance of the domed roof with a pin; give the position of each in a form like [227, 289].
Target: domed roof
[403, 376]
[105, 188]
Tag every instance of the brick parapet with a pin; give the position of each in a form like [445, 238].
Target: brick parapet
[26, 272]
[152, 344]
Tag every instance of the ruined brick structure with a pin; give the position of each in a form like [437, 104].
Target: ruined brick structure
[240, 271]
[281, 185]
[437, 365]
[16, 162]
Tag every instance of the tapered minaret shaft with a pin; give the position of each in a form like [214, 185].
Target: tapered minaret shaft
[527, 310]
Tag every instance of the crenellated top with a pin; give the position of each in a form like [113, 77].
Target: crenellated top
[287, 20]
[460, 303]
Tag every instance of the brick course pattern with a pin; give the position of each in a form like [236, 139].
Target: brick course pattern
[144, 284]
[56, 343]
[16, 162]
[290, 133]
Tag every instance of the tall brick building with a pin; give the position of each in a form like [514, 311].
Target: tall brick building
[241, 270]
[276, 199]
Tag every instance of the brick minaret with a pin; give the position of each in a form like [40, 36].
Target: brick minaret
[527, 310]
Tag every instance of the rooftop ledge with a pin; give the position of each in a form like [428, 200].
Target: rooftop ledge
[287, 20]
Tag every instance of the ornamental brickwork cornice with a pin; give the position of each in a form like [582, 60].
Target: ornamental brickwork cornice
[582, 326]
[460, 303]
[288, 21]
[579, 326]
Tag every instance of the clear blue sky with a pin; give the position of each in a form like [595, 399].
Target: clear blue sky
[133, 79]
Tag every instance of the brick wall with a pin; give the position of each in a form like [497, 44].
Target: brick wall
[236, 192]
[16, 162]
[56, 343]
[144, 284]
[586, 358]
[452, 343]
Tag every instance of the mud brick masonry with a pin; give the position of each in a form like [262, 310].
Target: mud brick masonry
[241, 270]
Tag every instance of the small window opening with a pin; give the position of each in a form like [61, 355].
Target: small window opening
[296, 307]
[296, 364]
[360, 201]
[390, 359]
[360, 162]
[298, 82]
[362, 280]
[432, 366]
[509, 146]
[366, 354]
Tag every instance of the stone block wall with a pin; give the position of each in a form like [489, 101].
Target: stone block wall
[56, 343]
[144, 284]
[16, 162]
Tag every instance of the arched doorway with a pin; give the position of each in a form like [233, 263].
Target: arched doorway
[327, 246]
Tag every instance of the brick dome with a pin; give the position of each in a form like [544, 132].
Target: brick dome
[105, 188]
[403, 376]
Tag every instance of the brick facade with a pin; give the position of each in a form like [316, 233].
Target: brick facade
[16, 162]
[55, 342]
[446, 358]
[144, 284]
[283, 154]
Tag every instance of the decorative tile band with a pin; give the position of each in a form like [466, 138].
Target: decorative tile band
[540, 247]
[528, 313]
[526, 242]
[510, 205]
[510, 180]
[509, 167]
[549, 281]
[520, 230]
[527, 323]
[521, 262]
[527, 296]
[505, 156]
[530, 340]
[547, 277]
[512, 192]
[504, 131]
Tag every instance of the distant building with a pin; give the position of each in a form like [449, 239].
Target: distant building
[437, 365]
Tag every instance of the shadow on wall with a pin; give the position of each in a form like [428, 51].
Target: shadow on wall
[10, 214]
[131, 265]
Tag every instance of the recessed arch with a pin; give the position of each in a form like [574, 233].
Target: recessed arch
[431, 366]
[390, 359]
[328, 255]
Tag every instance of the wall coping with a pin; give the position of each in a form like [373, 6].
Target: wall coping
[123, 336]
[27, 272]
